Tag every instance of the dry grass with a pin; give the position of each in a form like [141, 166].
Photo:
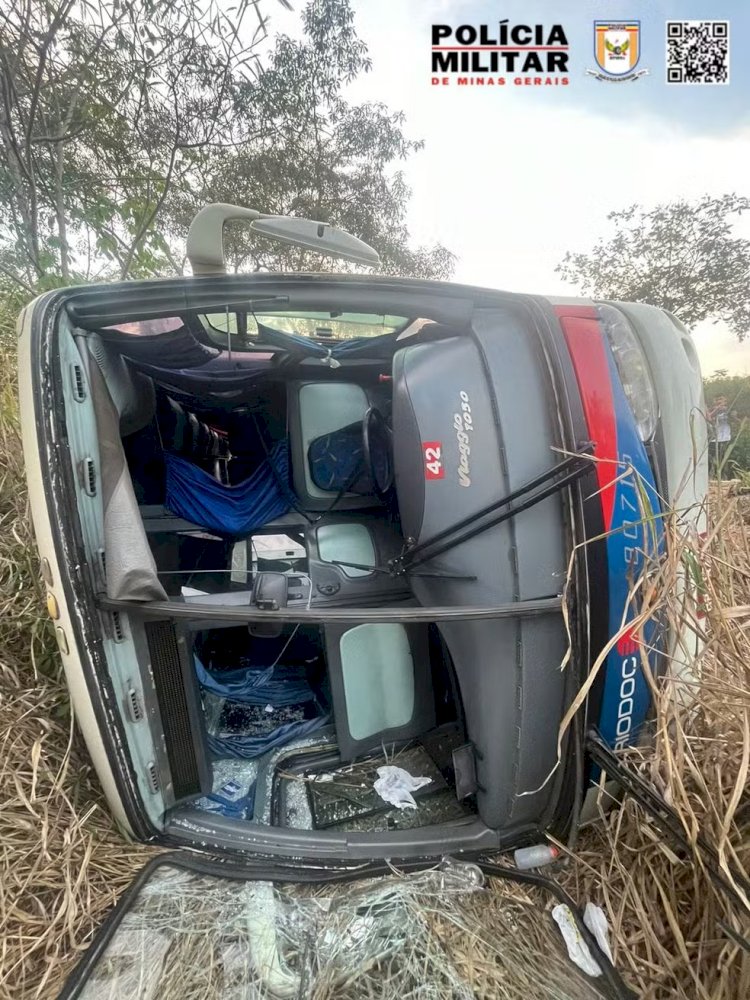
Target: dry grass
[64, 863]
[670, 922]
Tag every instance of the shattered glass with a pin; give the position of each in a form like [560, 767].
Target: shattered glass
[344, 798]
[442, 933]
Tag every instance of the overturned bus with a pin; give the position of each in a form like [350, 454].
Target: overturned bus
[298, 527]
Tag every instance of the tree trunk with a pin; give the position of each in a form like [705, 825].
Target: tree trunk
[62, 222]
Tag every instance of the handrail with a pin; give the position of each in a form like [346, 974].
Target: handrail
[179, 610]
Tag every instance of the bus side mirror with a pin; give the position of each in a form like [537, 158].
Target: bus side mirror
[205, 244]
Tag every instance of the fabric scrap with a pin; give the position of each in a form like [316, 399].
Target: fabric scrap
[394, 785]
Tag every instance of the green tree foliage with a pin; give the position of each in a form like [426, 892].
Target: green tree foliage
[683, 256]
[104, 104]
[120, 118]
[317, 155]
[736, 390]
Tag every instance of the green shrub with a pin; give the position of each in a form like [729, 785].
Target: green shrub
[736, 389]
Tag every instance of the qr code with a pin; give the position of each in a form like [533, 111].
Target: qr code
[697, 51]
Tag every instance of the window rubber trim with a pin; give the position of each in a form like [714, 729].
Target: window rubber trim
[59, 493]
[263, 871]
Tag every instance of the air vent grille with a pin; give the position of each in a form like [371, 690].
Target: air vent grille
[79, 384]
[88, 475]
[118, 628]
[174, 707]
[135, 707]
[153, 777]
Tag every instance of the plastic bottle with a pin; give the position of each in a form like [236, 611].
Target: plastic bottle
[536, 856]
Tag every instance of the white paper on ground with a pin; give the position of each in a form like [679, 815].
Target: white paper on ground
[577, 948]
[395, 785]
[596, 921]
[192, 592]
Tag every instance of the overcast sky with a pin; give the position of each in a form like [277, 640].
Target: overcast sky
[510, 178]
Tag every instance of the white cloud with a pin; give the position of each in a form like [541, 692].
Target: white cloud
[718, 348]
[509, 182]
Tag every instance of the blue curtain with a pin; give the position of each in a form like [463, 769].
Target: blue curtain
[276, 686]
[246, 746]
[217, 376]
[229, 511]
[366, 347]
[171, 349]
[259, 686]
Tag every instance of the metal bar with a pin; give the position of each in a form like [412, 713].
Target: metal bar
[177, 610]
[408, 562]
[563, 466]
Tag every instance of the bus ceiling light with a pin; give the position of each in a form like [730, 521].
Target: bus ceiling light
[633, 370]
[205, 243]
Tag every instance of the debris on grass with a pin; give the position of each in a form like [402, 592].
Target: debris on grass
[440, 933]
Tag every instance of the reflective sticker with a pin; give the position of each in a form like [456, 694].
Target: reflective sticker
[433, 459]
[627, 644]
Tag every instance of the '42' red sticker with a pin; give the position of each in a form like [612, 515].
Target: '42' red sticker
[433, 459]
